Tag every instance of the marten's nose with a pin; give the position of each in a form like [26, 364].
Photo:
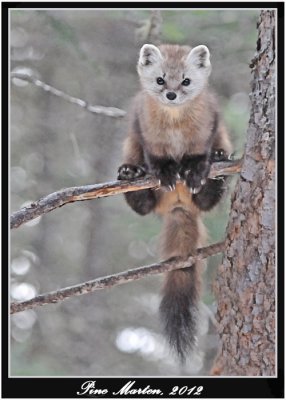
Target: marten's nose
[171, 95]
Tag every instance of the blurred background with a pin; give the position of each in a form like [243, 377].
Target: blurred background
[92, 55]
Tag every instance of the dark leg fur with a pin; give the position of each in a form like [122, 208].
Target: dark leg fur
[194, 170]
[210, 194]
[207, 192]
[166, 169]
[142, 201]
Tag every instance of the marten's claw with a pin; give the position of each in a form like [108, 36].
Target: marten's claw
[171, 187]
[195, 190]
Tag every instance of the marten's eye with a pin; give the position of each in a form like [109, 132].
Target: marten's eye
[160, 81]
[186, 82]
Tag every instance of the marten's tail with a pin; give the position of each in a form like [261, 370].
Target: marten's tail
[182, 234]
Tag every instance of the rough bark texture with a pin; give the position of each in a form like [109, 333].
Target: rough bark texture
[246, 280]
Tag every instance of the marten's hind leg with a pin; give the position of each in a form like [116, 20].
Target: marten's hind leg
[213, 190]
[142, 201]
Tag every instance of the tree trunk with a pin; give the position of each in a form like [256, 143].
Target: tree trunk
[245, 285]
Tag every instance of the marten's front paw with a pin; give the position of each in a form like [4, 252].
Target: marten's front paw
[167, 176]
[195, 180]
[166, 170]
[130, 171]
[195, 171]
[219, 155]
[168, 182]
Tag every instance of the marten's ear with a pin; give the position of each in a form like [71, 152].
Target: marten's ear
[199, 56]
[149, 54]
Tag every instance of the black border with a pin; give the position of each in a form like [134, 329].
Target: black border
[220, 387]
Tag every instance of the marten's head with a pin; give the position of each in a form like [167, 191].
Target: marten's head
[174, 74]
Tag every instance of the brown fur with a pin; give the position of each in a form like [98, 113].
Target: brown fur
[180, 197]
[175, 54]
[188, 125]
[182, 233]
[172, 131]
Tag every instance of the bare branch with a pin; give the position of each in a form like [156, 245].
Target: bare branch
[117, 279]
[150, 29]
[109, 111]
[231, 167]
[78, 193]
[89, 192]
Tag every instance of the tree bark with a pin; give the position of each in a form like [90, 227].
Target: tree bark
[245, 285]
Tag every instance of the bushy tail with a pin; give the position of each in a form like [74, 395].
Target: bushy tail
[182, 234]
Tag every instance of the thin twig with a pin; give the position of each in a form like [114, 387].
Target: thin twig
[89, 192]
[109, 111]
[117, 279]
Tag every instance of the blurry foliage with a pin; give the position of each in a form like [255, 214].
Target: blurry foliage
[54, 144]
[172, 33]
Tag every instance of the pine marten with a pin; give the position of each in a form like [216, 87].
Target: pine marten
[176, 132]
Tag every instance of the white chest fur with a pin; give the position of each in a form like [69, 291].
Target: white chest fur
[176, 143]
